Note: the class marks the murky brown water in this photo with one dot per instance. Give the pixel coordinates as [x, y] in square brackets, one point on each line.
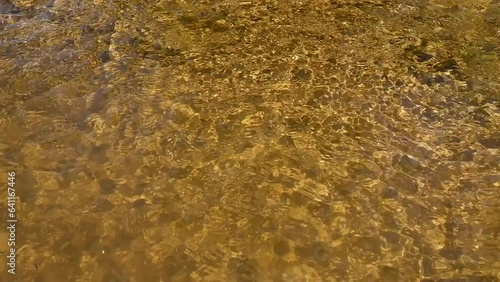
[251, 140]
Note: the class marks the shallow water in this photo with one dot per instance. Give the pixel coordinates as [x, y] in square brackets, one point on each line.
[252, 140]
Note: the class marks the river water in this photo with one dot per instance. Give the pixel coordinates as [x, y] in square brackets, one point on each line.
[251, 140]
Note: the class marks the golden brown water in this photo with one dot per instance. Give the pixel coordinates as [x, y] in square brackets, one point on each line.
[251, 140]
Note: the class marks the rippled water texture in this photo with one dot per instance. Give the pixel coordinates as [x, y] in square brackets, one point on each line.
[252, 140]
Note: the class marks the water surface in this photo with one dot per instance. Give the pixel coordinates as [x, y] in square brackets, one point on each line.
[252, 141]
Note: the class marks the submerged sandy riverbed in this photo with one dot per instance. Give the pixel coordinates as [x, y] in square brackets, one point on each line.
[252, 141]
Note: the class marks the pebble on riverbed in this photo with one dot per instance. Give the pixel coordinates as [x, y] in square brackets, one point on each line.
[105, 56]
